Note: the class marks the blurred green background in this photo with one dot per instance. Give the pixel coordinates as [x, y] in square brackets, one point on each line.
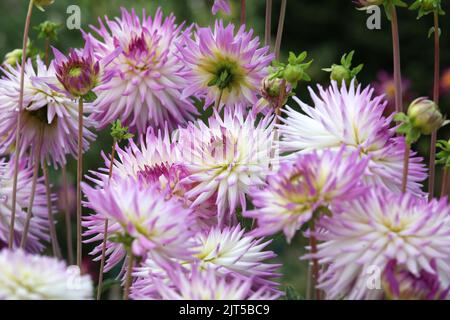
[325, 28]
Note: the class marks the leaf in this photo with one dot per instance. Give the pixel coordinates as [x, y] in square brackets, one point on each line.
[357, 70]
[90, 96]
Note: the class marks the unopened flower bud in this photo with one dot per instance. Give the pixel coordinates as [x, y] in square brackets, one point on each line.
[271, 87]
[340, 73]
[13, 57]
[425, 115]
[293, 73]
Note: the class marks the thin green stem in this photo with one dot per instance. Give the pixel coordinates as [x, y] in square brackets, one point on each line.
[19, 124]
[432, 169]
[79, 178]
[280, 29]
[105, 231]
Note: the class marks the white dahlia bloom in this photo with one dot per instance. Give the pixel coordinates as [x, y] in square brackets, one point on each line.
[353, 118]
[226, 158]
[366, 234]
[33, 277]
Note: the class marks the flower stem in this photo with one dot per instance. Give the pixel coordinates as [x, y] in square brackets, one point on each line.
[67, 217]
[105, 231]
[280, 29]
[432, 161]
[243, 12]
[268, 29]
[219, 100]
[406, 166]
[128, 276]
[444, 188]
[79, 177]
[47, 51]
[19, 124]
[37, 160]
[315, 263]
[51, 222]
[397, 65]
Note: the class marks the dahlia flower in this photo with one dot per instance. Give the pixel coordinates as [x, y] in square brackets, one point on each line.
[226, 158]
[400, 284]
[198, 284]
[300, 187]
[79, 72]
[365, 234]
[224, 66]
[221, 5]
[140, 216]
[385, 85]
[228, 252]
[353, 118]
[45, 108]
[146, 85]
[156, 160]
[32, 277]
[39, 227]
[445, 82]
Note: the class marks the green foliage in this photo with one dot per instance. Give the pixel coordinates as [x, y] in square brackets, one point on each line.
[292, 294]
[425, 7]
[48, 30]
[406, 128]
[119, 132]
[294, 71]
[443, 156]
[344, 71]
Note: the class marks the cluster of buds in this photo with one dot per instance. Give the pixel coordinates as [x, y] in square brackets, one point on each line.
[47, 30]
[344, 71]
[423, 117]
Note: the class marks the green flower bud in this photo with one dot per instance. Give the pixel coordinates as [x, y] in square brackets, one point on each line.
[340, 73]
[13, 57]
[293, 73]
[425, 116]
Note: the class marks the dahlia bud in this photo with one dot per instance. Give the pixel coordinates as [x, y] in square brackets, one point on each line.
[43, 3]
[425, 7]
[13, 57]
[344, 71]
[79, 72]
[425, 116]
[271, 87]
[293, 73]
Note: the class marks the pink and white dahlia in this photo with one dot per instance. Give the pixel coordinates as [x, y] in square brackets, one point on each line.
[139, 217]
[200, 284]
[353, 118]
[224, 66]
[362, 236]
[48, 115]
[145, 89]
[226, 158]
[39, 227]
[32, 277]
[155, 160]
[400, 284]
[309, 182]
[221, 5]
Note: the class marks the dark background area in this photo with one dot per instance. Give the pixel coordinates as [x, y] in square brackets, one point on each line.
[325, 28]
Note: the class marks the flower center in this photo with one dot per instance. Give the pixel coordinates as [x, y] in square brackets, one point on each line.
[75, 71]
[224, 72]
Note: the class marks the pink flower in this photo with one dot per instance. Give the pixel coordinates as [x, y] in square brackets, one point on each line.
[223, 5]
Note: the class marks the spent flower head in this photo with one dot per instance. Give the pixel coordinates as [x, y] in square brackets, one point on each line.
[48, 30]
[294, 71]
[425, 7]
